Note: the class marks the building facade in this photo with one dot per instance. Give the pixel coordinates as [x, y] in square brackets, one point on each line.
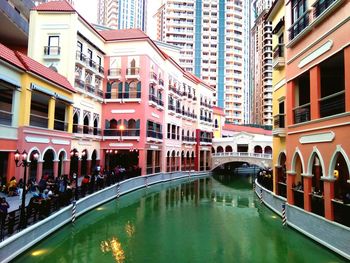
[317, 107]
[276, 16]
[214, 40]
[122, 14]
[261, 63]
[134, 106]
[36, 116]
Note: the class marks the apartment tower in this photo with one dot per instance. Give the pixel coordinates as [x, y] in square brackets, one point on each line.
[213, 36]
[122, 14]
[261, 63]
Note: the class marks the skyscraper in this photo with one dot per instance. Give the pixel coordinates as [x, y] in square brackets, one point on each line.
[214, 40]
[122, 14]
[261, 63]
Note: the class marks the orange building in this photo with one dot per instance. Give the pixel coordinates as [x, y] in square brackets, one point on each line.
[318, 106]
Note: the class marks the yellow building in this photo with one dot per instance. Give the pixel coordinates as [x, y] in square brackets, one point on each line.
[276, 16]
[219, 121]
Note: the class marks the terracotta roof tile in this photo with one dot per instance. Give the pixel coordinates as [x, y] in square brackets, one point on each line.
[59, 6]
[123, 34]
[9, 56]
[241, 128]
[45, 72]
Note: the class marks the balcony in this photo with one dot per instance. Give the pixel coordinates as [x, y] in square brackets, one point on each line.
[125, 133]
[301, 113]
[161, 84]
[124, 96]
[154, 134]
[91, 63]
[5, 118]
[153, 78]
[38, 121]
[321, 5]
[133, 73]
[332, 104]
[279, 125]
[60, 125]
[205, 140]
[114, 73]
[80, 58]
[299, 25]
[52, 52]
[171, 109]
[278, 57]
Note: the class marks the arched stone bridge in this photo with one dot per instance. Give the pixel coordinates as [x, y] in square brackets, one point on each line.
[259, 159]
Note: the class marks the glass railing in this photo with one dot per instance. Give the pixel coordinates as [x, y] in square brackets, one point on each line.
[114, 72]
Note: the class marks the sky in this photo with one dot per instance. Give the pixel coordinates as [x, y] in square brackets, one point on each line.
[88, 9]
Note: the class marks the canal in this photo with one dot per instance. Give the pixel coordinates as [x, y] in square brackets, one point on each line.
[212, 219]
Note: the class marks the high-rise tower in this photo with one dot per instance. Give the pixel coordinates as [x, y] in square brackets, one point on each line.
[122, 14]
[261, 63]
[214, 40]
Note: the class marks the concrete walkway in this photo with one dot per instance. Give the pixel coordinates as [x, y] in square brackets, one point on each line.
[16, 201]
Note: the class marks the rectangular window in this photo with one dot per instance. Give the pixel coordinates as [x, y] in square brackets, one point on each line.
[302, 98]
[53, 47]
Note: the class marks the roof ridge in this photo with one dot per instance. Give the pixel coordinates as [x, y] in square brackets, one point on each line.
[19, 56]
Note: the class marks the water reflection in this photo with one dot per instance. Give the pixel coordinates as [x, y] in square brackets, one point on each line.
[114, 246]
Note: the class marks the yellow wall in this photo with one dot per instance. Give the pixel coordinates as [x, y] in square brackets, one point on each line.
[279, 87]
[25, 100]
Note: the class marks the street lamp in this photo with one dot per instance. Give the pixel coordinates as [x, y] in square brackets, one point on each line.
[121, 128]
[74, 153]
[24, 163]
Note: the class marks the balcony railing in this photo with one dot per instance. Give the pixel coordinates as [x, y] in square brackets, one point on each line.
[321, 5]
[171, 107]
[88, 129]
[155, 99]
[278, 52]
[101, 69]
[298, 26]
[77, 128]
[90, 88]
[161, 82]
[153, 76]
[79, 83]
[52, 50]
[203, 139]
[123, 95]
[279, 121]
[332, 104]
[80, 56]
[5, 118]
[90, 63]
[302, 113]
[132, 71]
[154, 134]
[114, 72]
[60, 125]
[124, 133]
[97, 131]
[38, 121]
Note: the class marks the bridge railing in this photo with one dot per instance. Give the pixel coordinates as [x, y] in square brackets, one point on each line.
[243, 154]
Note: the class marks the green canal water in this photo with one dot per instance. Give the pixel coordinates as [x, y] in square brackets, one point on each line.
[213, 219]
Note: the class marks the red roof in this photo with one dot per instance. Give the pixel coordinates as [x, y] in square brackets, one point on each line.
[218, 111]
[9, 56]
[241, 128]
[123, 34]
[56, 6]
[35, 67]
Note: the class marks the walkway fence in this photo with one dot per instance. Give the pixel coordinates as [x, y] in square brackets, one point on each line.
[44, 220]
[243, 154]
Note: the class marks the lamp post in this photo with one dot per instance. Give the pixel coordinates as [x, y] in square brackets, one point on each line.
[74, 153]
[24, 163]
[121, 128]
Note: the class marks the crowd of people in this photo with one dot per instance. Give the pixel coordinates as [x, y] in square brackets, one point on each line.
[51, 193]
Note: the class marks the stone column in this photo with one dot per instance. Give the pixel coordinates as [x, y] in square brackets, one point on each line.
[307, 180]
[51, 113]
[88, 166]
[290, 103]
[315, 92]
[204, 160]
[55, 168]
[153, 161]
[39, 170]
[328, 184]
[276, 178]
[79, 167]
[142, 161]
[290, 182]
